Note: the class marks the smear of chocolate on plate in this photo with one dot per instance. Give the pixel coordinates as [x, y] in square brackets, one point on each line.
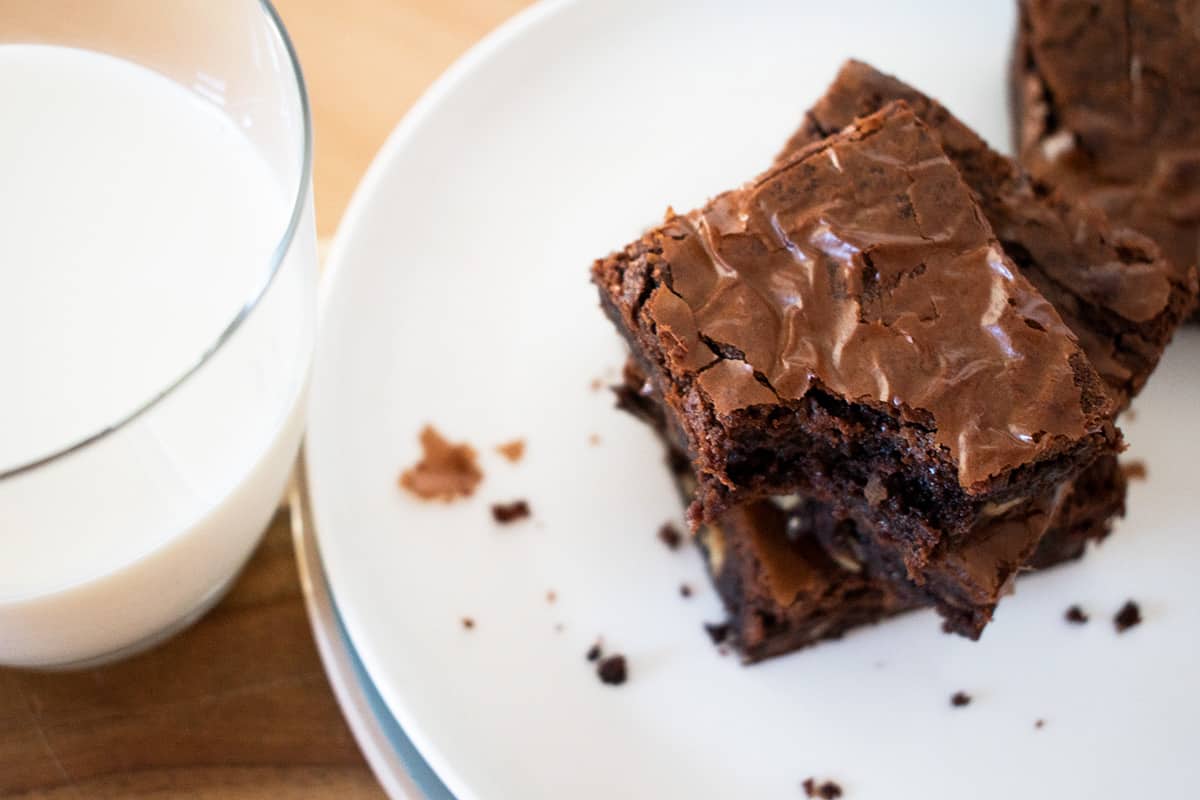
[513, 450]
[445, 472]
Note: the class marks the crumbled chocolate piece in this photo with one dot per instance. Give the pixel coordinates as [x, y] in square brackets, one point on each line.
[504, 513]
[1127, 617]
[1135, 470]
[612, 670]
[1076, 615]
[594, 652]
[468, 623]
[445, 472]
[718, 632]
[513, 450]
[825, 790]
[669, 535]
[960, 699]
[685, 590]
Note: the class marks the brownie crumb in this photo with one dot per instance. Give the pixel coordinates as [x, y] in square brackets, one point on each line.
[594, 652]
[1076, 615]
[718, 632]
[551, 596]
[1127, 617]
[825, 790]
[685, 590]
[960, 699]
[612, 670]
[468, 623]
[505, 513]
[669, 535]
[513, 450]
[445, 472]
[1041, 723]
[1135, 470]
[594, 439]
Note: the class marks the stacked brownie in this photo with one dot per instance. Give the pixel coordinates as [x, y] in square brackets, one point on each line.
[888, 368]
[1105, 95]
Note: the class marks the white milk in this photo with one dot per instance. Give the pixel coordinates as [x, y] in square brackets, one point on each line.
[136, 220]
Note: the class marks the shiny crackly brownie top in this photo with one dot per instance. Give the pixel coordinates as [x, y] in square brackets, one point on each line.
[864, 268]
[1108, 93]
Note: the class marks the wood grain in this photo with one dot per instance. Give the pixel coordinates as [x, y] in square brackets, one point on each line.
[238, 706]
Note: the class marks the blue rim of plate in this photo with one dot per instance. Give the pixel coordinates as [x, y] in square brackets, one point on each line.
[418, 768]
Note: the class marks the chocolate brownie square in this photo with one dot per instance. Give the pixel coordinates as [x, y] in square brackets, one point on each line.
[1105, 99]
[848, 328]
[964, 580]
[1110, 285]
[783, 590]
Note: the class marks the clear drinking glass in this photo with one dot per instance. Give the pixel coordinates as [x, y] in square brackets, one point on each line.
[115, 537]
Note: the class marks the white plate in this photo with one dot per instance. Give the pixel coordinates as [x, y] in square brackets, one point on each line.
[399, 767]
[458, 295]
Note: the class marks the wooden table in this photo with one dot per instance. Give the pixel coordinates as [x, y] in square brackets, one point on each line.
[238, 706]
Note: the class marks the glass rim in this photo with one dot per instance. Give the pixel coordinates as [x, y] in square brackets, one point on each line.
[299, 204]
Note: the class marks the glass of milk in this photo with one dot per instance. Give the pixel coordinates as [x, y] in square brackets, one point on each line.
[157, 312]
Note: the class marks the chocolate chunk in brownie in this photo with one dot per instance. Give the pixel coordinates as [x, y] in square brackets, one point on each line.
[1129, 616]
[445, 472]
[1076, 615]
[612, 670]
[1111, 286]
[505, 513]
[1105, 104]
[858, 260]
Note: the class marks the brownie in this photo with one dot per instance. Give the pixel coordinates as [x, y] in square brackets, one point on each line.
[964, 580]
[848, 328]
[784, 591]
[1106, 102]
[1110, 285]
